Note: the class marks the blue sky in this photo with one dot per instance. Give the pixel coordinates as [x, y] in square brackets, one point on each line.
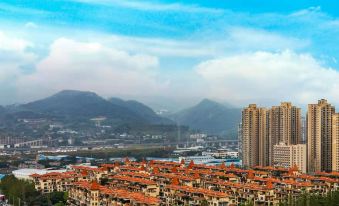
[181, 51]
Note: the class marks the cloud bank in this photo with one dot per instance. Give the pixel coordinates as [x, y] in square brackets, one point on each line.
[91, 66]
[245, 77]
[270, 77]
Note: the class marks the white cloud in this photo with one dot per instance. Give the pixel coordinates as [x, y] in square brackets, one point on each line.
[147, 6]
[270, 77]
[91, 66]
[13, 44]
[232, 40]
[255, 39]
[13, 56]
[307, 12]
[31, 25]
[163, 47]
[120, 68]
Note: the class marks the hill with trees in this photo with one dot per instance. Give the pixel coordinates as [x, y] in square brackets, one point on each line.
[210, 117]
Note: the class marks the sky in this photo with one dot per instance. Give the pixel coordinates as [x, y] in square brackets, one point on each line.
[171, 52]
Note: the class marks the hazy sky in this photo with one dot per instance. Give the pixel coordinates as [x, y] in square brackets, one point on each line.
[239, 52]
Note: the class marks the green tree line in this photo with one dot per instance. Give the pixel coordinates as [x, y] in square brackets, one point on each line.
[308, 199]
[21, 192]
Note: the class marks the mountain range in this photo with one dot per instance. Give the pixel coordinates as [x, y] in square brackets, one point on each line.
[70, 105]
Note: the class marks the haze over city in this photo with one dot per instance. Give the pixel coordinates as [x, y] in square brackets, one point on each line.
[237, 52]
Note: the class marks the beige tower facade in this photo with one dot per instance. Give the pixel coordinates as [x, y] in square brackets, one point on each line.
[284, 126]
[299, 156]
[254, 136]
[264, 142]
[335, 142]
[319, 136]
[290, 155]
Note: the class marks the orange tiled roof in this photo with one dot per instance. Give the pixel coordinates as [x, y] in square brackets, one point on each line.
[93, 169]
[119, 193]
[135, 174]
[131, 168]
[54, 175]
[221, 174]
[206, 192]
[171, 176]
[133, 179]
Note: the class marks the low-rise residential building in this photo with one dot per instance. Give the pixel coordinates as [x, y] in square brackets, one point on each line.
[162, 183]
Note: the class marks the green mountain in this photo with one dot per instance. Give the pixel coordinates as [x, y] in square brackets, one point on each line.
[3, 113]
[210, 117]
[142, 110]
[2, 110]
[75, 109]
[72, 104]
[82, 105]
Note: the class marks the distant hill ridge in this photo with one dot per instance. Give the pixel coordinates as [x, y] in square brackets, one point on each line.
[141, 109]
[83, 104]
[210, 117]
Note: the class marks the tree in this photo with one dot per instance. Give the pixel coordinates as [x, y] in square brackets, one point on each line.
[23, 193]
[204, 203]
[18, 190]
[306, 199]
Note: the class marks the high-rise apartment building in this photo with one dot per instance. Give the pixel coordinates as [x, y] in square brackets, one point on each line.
[303, 130]
[290, 155]
[274, 136]
[263, 128]
[240, 140]
[284, 126]
[335, 142]
[254, 136]
[319, 136]
[264, 141]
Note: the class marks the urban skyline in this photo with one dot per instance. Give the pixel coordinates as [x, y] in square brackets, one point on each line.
[169, 103]
[273, 137]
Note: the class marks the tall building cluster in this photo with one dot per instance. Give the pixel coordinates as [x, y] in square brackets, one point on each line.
[280, 136]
